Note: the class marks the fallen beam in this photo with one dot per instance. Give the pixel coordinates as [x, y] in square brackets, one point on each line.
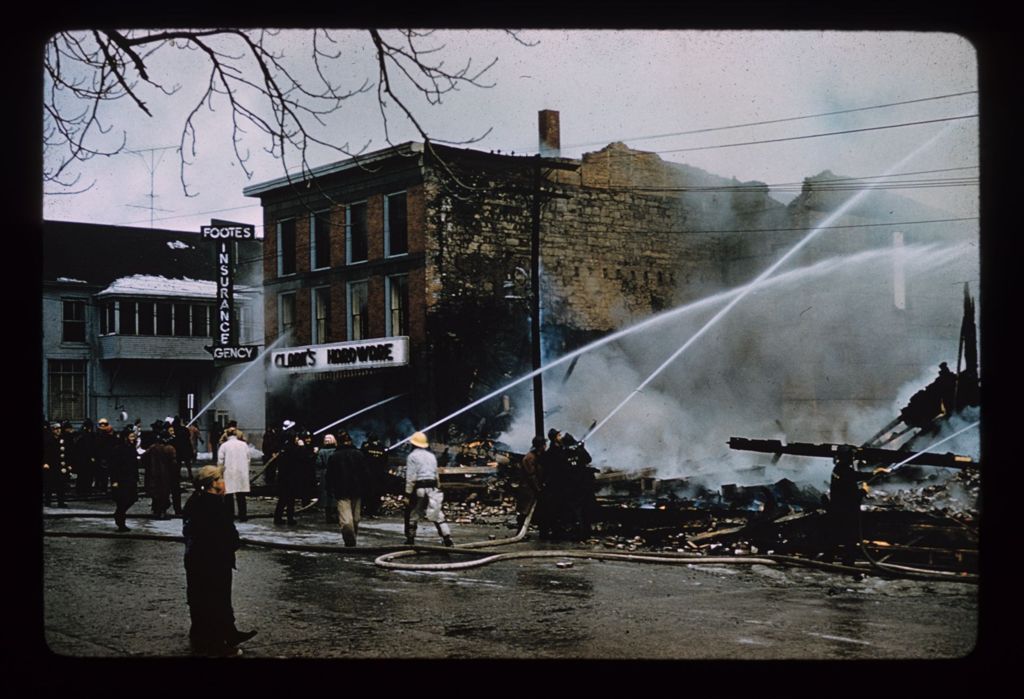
[871, 455]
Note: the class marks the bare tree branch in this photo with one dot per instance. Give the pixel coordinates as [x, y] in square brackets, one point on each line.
[265, 92]
[115, 66]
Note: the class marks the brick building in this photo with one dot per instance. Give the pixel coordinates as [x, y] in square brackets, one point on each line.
[422, 251]
[127, 315]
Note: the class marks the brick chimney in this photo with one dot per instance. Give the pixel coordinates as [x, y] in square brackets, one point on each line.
[550, 138]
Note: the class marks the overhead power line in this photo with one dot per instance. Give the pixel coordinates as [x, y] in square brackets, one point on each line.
[817, 135]
[777, 121]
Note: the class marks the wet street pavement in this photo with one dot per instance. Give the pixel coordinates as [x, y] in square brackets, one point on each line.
[110, 595]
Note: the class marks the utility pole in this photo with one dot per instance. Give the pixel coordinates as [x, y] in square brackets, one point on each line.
[538, 384]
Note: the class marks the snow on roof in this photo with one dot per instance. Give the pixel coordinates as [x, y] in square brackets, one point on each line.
[69, 279]
[149, 285]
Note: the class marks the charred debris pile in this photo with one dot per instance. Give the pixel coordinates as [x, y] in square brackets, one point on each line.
[918, 515]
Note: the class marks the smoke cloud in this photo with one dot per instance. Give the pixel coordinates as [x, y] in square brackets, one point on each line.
[817, 353]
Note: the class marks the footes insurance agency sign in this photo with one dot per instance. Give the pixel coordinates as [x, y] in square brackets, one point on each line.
[226, 348]
[364, 354]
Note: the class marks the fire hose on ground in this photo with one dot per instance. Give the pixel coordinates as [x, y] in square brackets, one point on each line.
[386, 555]
[387, 560]
[389, 552]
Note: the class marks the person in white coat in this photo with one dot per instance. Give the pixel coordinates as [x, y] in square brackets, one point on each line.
[233, 457]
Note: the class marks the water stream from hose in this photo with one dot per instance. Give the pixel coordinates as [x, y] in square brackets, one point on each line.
[745, 290]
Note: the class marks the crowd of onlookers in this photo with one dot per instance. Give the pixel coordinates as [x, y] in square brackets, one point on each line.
[97, 459]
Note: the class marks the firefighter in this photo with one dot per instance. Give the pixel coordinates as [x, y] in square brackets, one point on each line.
[554, 488]
[162, 479]
[330, 444]
[296, 470]
[106, 440]
[423, 491]
[307, 473]
[843, 509]
[346, 482]
[376, 460]
[183, 450]
[945, 388]
[531, 476]
[69, 437]
[580, 502]
[270, 447]
[124, 476]
[84, 458]
[55, 465]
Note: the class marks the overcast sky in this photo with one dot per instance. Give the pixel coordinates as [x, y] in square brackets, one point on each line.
[609, 85]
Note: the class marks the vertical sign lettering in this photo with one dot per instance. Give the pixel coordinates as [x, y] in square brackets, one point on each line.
[225, 294]
[224, 233]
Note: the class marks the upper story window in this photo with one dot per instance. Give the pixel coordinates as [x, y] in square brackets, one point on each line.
[321, 314]
[108, 318]
[182, 319]
[73, 321]
[285, 247]
[320, 240]
[148, 318]
[356, 241]
[201, 320]
[396, 233]
[164, 319]
[285, 312]
[397, 293]
[127, 318]
[358, 307]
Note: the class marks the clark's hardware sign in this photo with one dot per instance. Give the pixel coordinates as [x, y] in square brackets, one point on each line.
[343, 356]
[225, 336]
